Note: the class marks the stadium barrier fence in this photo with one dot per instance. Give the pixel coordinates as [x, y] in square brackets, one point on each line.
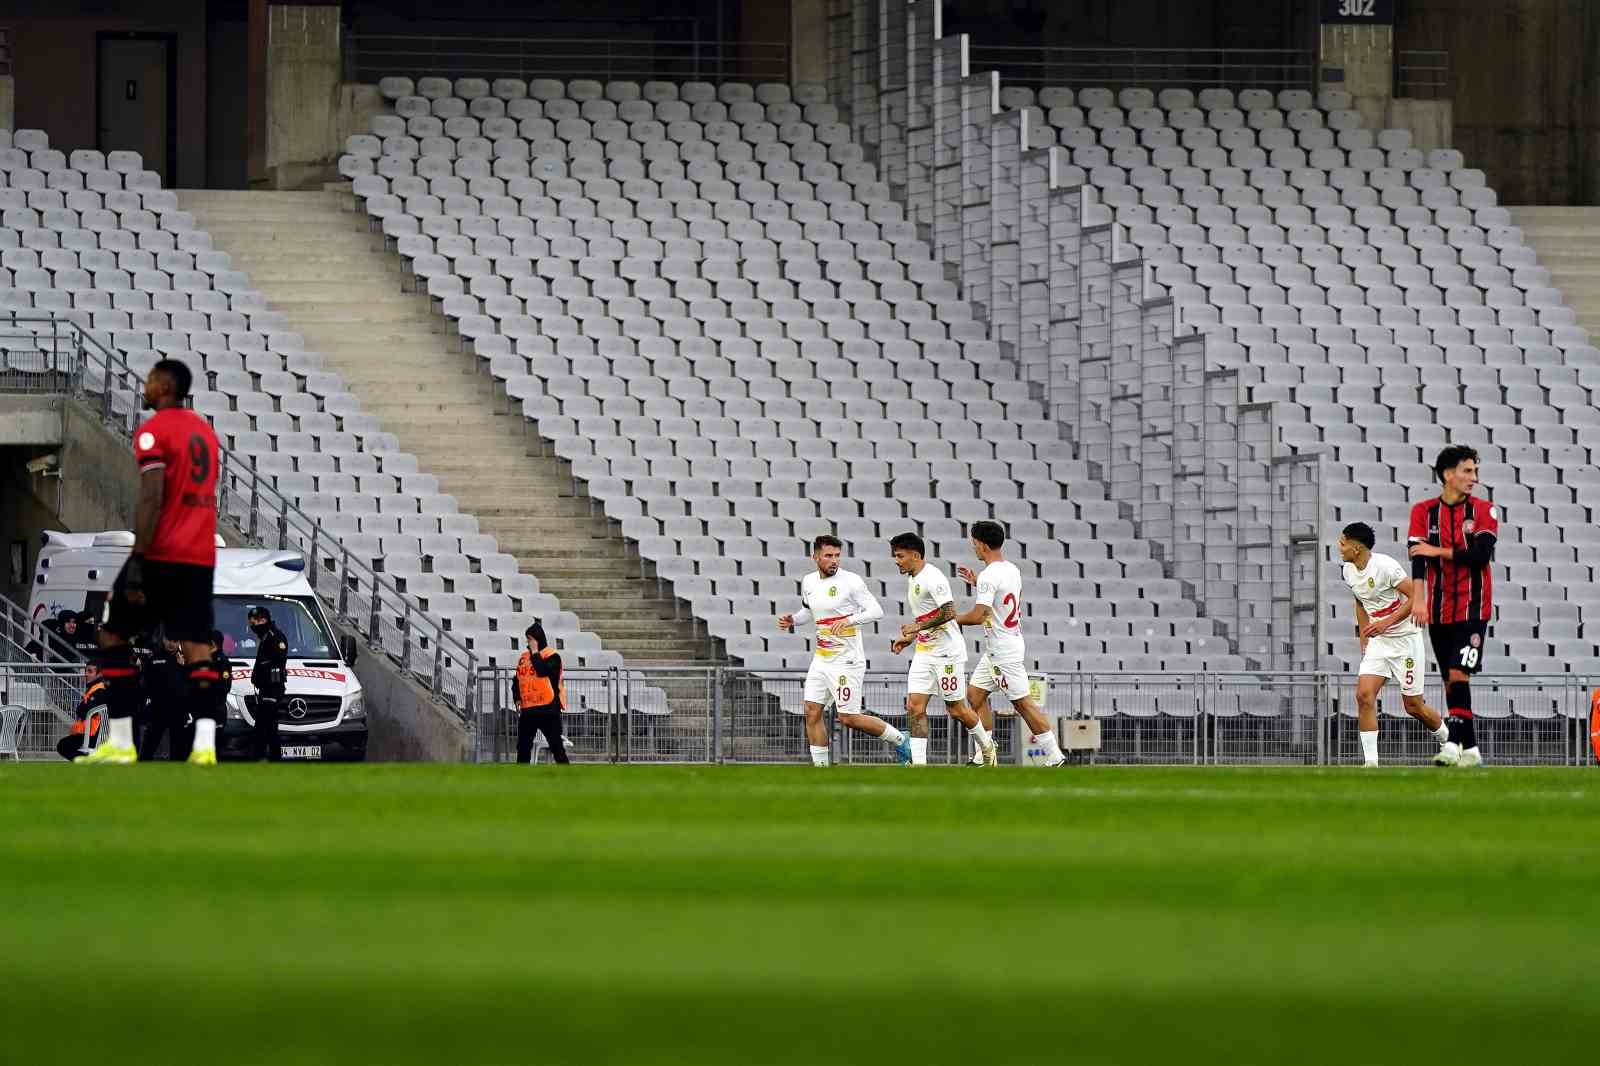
[725, 714]
[50, 355]
[49, 694]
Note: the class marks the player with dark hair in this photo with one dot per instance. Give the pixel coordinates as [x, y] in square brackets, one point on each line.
[166, 581]
[997, 607]
[1391, 643]
[1452, 538]
[939, 663]
[840, 603]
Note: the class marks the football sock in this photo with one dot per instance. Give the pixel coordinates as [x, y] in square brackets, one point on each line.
[891, 735]
[1458, 698]
[205, 735]
[1052, 748]
[919, 751]
[819, 756]
[1369, 747]
[1442, 734]
[204, 685]
[124, 697]
[121, 732]
[981, 735]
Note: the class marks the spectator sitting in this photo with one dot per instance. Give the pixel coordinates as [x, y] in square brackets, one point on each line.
[90, 714]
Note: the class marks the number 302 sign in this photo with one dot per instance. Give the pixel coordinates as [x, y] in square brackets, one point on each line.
[1379, 12]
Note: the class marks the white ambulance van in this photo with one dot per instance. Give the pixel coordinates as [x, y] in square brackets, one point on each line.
[323, 715]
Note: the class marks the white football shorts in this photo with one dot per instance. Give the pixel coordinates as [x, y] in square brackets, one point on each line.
[1009, 679]
[932, 675]
[839, 683]
[1400, 659]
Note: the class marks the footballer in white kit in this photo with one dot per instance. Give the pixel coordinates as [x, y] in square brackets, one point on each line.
[1392, 648]
[939, 663]
[840, 603]
[997, 607]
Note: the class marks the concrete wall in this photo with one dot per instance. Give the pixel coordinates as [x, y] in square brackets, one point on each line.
[56, 61]
[808, 36]
[1363, 58]
[227, 131]
[1525, 91]
[8, 102]
[405, 724]
[95, 489]
[303, 95]
[1431, 122]
[29, 428]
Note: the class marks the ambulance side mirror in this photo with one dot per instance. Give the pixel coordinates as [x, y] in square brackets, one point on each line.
[348, 649]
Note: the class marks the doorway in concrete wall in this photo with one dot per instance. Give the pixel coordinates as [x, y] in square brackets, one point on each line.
[138, 100]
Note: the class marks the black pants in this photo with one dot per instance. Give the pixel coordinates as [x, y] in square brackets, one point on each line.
[70, 746]
[171, 722]
[547, 722]
[264, 738]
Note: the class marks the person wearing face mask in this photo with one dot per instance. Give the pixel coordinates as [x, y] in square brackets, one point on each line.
[541, 696]
[269, 678]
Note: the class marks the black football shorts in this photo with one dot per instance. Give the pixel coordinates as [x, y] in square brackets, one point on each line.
[177, 599]
[1459, 645]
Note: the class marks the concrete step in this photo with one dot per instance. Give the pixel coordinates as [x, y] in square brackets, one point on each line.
[323, 266]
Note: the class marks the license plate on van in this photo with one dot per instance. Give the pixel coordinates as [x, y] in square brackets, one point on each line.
[302, 751]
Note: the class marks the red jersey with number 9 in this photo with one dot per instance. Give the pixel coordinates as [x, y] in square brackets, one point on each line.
[182, 446]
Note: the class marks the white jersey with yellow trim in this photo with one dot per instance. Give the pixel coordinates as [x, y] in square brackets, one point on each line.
[828, 599]
[1377, 588]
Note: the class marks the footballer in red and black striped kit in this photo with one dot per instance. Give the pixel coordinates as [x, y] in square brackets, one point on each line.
[167, 580]
[1452, 539]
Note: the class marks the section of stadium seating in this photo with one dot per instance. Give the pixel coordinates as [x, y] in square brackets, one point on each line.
[709, 303]
[1385, 301]
[94, 238]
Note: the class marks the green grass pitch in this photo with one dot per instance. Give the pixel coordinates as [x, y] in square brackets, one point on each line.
[460, 915]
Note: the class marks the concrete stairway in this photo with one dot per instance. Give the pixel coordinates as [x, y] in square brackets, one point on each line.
[319, 264]
[1567, 240]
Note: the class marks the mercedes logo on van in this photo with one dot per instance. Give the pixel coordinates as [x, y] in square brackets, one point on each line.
[297, 708]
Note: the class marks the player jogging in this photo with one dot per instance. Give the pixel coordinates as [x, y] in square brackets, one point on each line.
[840, 604]
[939, 663]
[166, 581]
[1452, 543]
[1391, 643]
[997, 607]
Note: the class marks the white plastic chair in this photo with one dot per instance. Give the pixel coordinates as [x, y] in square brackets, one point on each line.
[12, 719]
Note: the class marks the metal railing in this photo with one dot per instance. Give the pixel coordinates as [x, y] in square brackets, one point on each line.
[1044, 66]
[17, 631]
[370, 56]
[729, 715]
[50, 355]
[1421, 74]
[49, 695]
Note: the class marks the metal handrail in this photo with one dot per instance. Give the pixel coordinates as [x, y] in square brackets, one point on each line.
[1049, 65]
[1422, 73]
[17, 628]
[370, 56]
[271, 518]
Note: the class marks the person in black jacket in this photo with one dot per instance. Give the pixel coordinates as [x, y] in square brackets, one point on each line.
[165, 714]
[541, 696]
[269, 677]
